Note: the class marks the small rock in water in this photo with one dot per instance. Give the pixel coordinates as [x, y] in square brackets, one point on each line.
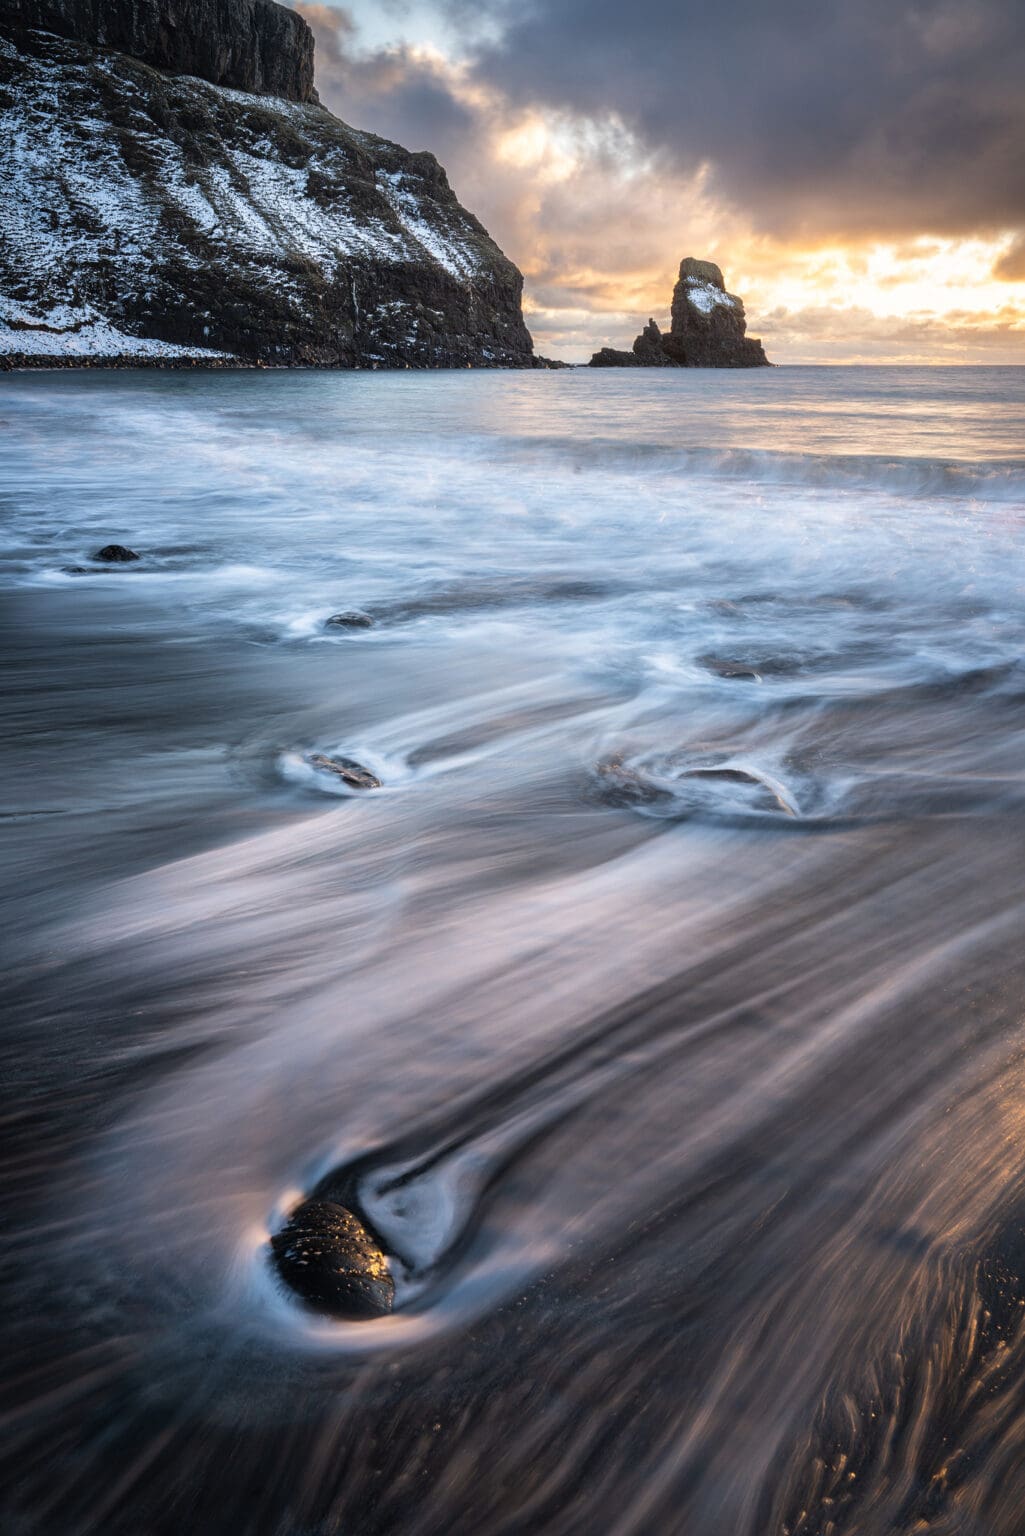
[350, 620]
[115, 554]
[769, 794]
[723, 667]
[350, 772]
[330, 1259]
[623, 785]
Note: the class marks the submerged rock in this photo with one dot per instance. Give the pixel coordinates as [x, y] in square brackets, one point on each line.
[723, 666]
[352, 619]
[620, 783]
[766, 793]
[682, 789]
[708, 329]
[115, 554]
[346, 769]
[330, 1259]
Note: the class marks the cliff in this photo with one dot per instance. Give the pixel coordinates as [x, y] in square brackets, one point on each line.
[151, 215]
[250, 45]
[708, 329]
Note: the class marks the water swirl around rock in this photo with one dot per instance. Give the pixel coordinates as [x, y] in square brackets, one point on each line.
[650, 1039]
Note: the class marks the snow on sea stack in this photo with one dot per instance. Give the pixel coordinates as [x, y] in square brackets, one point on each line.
[708, 329]
[175, 195]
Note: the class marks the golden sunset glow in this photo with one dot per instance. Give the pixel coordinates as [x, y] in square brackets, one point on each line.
[597, 213]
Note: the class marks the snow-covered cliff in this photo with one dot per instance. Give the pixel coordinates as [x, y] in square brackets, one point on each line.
[158, 217]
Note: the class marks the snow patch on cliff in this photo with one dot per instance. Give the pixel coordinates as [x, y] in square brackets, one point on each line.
[67, 331]
[706, 296]
[449, 252]
[64, 172]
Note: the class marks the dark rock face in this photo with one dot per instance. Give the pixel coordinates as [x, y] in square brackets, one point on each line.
[647, 352]
[115, 554]
[708, 329]
[649, 348]
[159, 219]
[251, 45]
[331, 1261]
[344, 768]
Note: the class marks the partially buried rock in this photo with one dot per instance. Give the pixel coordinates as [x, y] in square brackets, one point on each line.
[622, 784]
[346, 769]
[330, 1259]
[349, 620]
[115, 554]
[723, 666]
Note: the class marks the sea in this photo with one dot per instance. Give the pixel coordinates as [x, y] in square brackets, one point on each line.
[664, 1008]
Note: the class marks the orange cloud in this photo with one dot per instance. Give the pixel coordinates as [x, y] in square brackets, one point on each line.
[597, 220]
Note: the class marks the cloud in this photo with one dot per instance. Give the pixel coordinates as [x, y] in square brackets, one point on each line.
[820, 118]
[402, 93]
[598, 154]
[855, 334]
[1010, 268]
[594, 218]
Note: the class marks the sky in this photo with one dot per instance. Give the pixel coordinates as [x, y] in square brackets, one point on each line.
[856, 167]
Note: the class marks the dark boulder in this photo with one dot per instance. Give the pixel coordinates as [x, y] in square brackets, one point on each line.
[115, 554]
[352, 619]
[620, 783]
[708, 329]
[344, 768]
[330, 1259]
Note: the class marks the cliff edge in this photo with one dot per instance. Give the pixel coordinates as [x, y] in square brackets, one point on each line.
[249, 45]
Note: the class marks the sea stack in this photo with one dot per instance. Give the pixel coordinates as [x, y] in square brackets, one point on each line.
[708, 329]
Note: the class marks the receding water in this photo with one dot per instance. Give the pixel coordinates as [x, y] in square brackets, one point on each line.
[664, 1008]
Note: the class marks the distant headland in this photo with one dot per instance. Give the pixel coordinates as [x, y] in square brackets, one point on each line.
[175, 196]
[707, 331]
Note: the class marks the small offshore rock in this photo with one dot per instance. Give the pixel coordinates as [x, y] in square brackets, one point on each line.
[347, 769]
[330, 1259]
[115, 554]
[353, 619]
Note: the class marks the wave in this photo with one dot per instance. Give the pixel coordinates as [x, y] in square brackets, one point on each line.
[1000, 480]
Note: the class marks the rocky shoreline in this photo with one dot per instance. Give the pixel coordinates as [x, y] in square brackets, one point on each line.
[21, 362]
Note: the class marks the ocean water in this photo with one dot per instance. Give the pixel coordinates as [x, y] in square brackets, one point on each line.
[664, 1007]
